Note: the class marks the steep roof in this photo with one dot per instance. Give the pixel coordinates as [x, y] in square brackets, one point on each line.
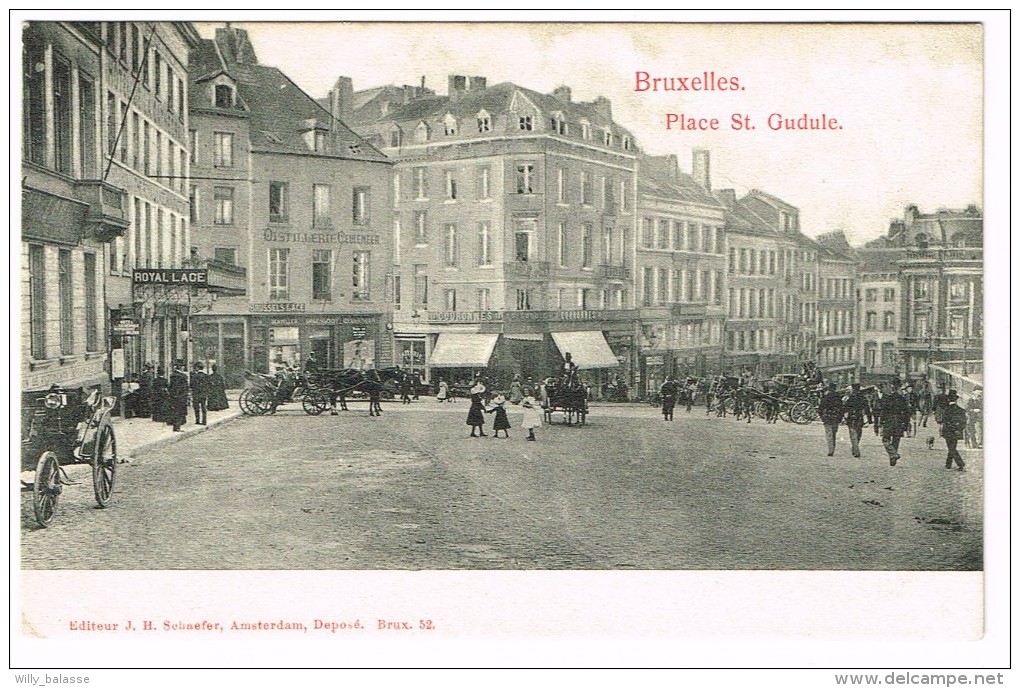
[659, 177]
[879, 260]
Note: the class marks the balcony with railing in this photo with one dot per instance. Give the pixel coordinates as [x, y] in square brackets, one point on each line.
[520, 269]
[616, 272]
[107, 215]
[944, 255]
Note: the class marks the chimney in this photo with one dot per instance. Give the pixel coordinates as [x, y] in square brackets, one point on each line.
[456, 85]
[728, 197]
[603, 107]
[236, 46]
[701, 169]
[562, 93]
[476, 83]
[341, 100]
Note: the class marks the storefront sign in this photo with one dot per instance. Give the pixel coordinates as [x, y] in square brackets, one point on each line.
[276, 307]
[359, 331]
[321, 237]
[197, 278]
[126, 328]
[66, 375]
[655, 360]
[530, 316]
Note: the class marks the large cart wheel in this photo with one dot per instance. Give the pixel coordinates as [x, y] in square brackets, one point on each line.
[315, 402]
[242, 401]
[260, 401]
[104, 466]
[760, 409]
[46, 489]
[799, 413]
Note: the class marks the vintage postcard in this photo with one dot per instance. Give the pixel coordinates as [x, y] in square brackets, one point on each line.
[590, 337]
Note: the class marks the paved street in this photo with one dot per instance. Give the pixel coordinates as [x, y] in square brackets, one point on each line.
[411, 490]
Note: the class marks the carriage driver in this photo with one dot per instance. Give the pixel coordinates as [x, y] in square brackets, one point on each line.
[569, 370]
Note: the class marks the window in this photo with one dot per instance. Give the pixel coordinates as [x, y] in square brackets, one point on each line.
[421, 285]
[732, 260]
[585, 130]
[320, 142]
[586, 245]
[34, 86]
[180, 98]
[584, 299]
[717, 293]
[421, 186]
[626, 143]
[522, 246]
[66, 302]
[525, 123]
[170, 102]
[396, 137]
[587, 191]
[450, 183]
[871, 295]
[421, 234]
[561, 191]
[147, 149]
[223, 149]
[320, 205]
[524, 299]
[37, 299]
[888, 295]
[647, 287]
[322, 274]
[87, 116]
[889, 321]
[483, 299]
[360, 276]
[224, 200]
[482, 183]
[525, 178]
[159, 238]
[920, 289]
[561, 247]
[677, 281]
[450, 299]
[607, 246]
[663, 286]
[359, 205]
[158, 72]
[484, 122]
[624, 196]
[278, 201]
[135, 48]
[182, 168]
[450, 246]
[225, 255]
[559, 125]
[607, 137]
[450, 125]
[662, 237]
[647, 232]
[396, 292]
[279, 285]
[224, 96]
[484, 244]
[421, 133]
[91, 304]
[62, 115]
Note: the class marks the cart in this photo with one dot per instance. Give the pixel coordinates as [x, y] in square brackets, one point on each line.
[61, 426]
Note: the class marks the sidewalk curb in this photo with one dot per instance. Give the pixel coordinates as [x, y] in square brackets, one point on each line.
[178, 436]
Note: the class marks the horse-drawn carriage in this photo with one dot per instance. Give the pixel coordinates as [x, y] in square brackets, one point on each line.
[570, 399]
[318, 390]
[62, 426]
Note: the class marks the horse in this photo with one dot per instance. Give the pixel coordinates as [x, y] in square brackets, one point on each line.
[372, 382]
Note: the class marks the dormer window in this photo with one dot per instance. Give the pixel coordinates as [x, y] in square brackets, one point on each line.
[627, 143]
[396, 137]
[484, 122]
[607, 137]
[525, 123]
[421, 133]
[224, 96]
[559, 125]
[320, 142]
[450, 125]
[585, 130]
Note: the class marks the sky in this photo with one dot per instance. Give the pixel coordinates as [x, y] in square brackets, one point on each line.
[908, 98]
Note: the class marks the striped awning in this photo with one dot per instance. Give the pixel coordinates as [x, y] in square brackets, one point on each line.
[462, 350]
[587, 349]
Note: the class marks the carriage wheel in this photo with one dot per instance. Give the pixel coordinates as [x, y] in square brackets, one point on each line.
[242, 402]
[810, 413]
[46, 489]
[760, 409]
[260, 401]
[784, 414]
[314, 403]
[104, 466]
[798, 414]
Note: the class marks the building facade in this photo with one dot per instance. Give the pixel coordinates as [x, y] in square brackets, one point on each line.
[513, 215]
[298, 203]
[837, 309]
[879, 293]
[680, 275]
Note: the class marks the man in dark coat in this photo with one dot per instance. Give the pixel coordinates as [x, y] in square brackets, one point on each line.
[830, 410]
[667, 393]
[939, 404]
[855, 406]
[144, 406]
[178, 396]
[954, 423]
[217, 390]
[894, 413]
[160, 400]
[199, 393]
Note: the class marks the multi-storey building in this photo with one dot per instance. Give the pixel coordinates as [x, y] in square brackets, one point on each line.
[942, 293]
[104, 159]
[513, 213]
[878, 298]
[836, 343]
[770, 281]
[681, 262]
[287, 192]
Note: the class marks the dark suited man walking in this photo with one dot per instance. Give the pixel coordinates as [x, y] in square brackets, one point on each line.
[199, 393]
[178, 394]
[954, 423]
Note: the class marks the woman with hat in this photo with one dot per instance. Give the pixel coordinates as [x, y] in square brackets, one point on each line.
[532, 417]
[476, 417]
[501, 422]
[516, 391]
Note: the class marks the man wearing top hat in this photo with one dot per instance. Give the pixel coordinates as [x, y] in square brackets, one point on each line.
[178, 393]
[199, 392]
[855, 406]
[830, 410]
[954, 423]
[894, 415]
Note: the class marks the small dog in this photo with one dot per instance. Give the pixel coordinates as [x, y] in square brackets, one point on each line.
[931, 442]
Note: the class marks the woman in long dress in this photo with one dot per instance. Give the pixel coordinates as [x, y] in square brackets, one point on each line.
[444, 391]
[516, 393]
[532, 417]
[217, 390]
[500, 421]
[160, 396]
[476, 414]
